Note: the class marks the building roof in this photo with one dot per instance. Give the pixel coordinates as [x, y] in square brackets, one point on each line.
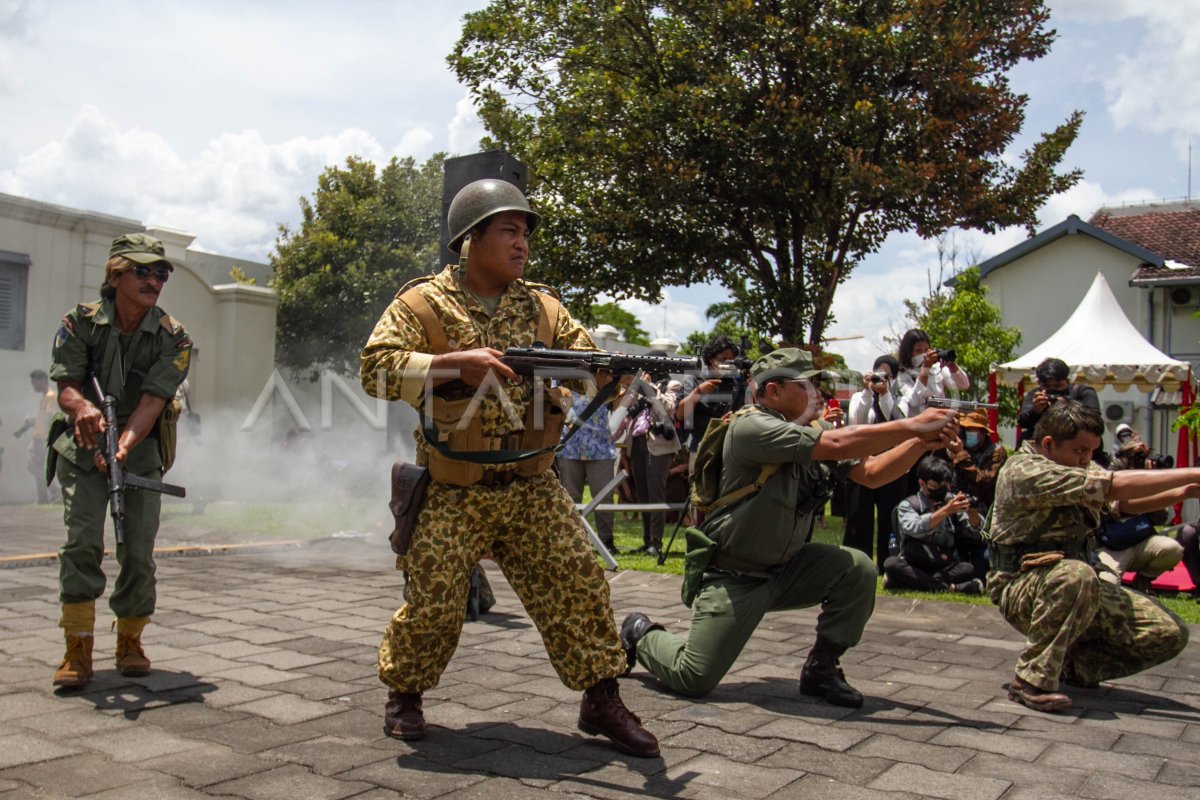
[1071, 226]
[1171, 230]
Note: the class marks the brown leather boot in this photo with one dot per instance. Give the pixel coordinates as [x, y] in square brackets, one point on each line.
[76, 668]
[601, 713]
[131, 659]
[402, 716]
[1030, 696]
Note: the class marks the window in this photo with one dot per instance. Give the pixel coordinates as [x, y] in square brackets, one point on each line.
[14, 280]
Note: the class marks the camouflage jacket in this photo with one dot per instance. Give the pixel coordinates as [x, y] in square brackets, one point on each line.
[395, 362]
[1043, 506]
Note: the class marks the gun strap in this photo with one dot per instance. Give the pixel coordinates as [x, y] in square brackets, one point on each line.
[492, 457]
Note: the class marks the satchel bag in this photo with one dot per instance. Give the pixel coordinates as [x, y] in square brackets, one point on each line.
[409, 484]
[1121, 534]
[925, 556]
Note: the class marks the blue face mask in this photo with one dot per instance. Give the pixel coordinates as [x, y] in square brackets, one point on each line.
[972, 439]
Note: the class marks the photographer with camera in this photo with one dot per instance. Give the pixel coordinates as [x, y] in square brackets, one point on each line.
[1052, 387]
[648, 429]
[1129, 542]
[710, 395]
[869, 510]
[936, 529]
[925, 372]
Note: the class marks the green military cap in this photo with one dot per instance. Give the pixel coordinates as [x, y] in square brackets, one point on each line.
[786, 362]
[140, 248]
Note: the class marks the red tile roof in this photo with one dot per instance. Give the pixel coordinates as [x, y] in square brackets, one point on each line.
[1172, 231]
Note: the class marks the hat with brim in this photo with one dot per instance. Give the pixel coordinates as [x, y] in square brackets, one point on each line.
[786, 363]
[977, 419]
[140, 248]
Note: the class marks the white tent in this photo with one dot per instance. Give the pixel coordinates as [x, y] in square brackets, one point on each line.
[1103, 348]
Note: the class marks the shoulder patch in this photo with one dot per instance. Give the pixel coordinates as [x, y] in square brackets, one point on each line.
[413, 284]
[89, 310]
[64, 333]
[170, 324]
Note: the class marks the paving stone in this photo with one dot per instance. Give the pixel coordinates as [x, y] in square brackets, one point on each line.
[736, 747]
[819, 787]
[1132, 766]
[138, 743]
[893, 748]
[208, 764]
[902, 777]
[258, 675]
[254, 734]
[28, 704]
[160, 788]
[286, 709]
[1022, 773]
[413, 777]
[1024, 749]
[288, 783]
[827, 737]
[23, 748]
[1107, 786]
[710, 775]
[77, 775]
[328, 755]
[843, 768]
[285, 659]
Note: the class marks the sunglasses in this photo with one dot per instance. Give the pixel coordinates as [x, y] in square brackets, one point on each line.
[144, 271]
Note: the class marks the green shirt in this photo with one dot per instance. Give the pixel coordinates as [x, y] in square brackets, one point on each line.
[769, 528]
[153, 359]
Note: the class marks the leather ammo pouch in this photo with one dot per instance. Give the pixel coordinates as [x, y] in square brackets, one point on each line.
[409, 484]
[168, 432]
[461, 433]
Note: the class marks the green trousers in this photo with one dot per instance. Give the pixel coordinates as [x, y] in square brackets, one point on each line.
[728, 609]
[1106, 631]
[85, 509]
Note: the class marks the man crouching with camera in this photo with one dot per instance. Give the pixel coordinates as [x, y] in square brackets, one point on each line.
[762, 560]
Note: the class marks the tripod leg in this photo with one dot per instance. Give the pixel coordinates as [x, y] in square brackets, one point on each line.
[662, 556]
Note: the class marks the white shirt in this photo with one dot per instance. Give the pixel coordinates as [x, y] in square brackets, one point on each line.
[862, 412]
[914, 395]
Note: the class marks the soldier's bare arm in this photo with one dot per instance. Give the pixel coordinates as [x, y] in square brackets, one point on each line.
[1132, 484]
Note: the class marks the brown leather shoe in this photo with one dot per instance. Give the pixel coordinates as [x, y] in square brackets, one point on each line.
[131, 658]
[76, 668]
[402, 716]
[601, 713]
[1030, 696]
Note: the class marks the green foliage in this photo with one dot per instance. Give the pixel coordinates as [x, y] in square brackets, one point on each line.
[766, 146]
[732, 321]
[240, 277]
[624, 321]
[364, 233]
[966, 321]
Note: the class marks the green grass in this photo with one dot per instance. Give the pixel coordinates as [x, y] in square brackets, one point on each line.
[311, 520]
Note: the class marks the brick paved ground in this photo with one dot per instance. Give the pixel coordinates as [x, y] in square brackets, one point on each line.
[264, 687]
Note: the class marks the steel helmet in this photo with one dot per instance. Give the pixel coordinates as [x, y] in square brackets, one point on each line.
[479, 200]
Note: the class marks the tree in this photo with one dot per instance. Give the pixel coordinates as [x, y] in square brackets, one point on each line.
[624, 321]
[365, 232]
[966, 321]
[765, 145]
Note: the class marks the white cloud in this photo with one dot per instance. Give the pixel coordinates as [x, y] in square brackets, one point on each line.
[673, 319]
[1094, 9]
[14, 27]
[232, 194]
[465, 129]
[1153, 86]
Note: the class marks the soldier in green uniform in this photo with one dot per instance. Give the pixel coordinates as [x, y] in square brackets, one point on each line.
[1049, 497]
[438, 347]
[764, 560]
[140, 356]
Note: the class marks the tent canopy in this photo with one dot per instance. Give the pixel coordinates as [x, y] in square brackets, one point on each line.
[1102, 347]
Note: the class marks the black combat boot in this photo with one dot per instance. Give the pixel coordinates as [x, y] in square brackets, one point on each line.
[822, 677]
[601, 713]
[635, 626]
[402, 716]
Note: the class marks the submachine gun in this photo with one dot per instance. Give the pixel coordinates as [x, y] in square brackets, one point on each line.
[118, 479]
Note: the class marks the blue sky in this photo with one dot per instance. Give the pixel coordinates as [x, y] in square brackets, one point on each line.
[215, 117]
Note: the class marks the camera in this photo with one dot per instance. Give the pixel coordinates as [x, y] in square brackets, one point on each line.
[662, 430]
[1161, 461]
[948, 356]
[879, 377]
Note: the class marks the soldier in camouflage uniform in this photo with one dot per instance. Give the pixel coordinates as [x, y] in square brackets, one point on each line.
[1049, 497]
[140, 356]
[452, 328]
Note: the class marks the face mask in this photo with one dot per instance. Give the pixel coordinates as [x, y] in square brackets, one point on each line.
[972, 439]
[937, 495]
[918, 360]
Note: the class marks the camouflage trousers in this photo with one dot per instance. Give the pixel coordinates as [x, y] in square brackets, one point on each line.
[1104, 631]
[533, 532]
